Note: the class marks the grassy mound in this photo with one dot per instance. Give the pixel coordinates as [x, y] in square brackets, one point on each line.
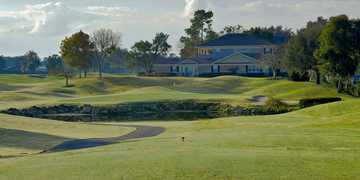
[320, 142]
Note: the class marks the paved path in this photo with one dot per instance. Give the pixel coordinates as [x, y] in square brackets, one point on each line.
[140, 132]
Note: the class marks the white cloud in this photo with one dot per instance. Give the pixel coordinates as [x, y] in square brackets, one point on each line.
[252, 6]
[192, 5]
[55, 18]
[42, 26]
[33, 17]
[117, 11]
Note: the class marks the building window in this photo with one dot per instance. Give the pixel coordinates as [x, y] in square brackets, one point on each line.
[218, 68]
[177, 69]
[171, 69]
[212, 69]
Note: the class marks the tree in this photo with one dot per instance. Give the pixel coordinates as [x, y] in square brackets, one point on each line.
[106, 41]
[274, 34]
[299, 53]
[295, 57]
[30, 62]
[236, 29]
[199, 32]
[140, 55]
[160, 46]
[273, 61]
[78, 51]
[2, 63]
[118, 58]
[338, 50]
[54, 64]
[68, 73]
[144, 53]
[356, 40]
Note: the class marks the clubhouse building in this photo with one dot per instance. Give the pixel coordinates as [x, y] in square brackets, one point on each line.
[229, 54]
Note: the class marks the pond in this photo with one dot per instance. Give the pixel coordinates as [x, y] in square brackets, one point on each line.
[140, 111]
[136, 116]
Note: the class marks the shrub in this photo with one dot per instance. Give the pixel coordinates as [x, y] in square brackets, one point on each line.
[304, 103]
[354, 90]
[296, 76]
[275, 106]
[210, 75]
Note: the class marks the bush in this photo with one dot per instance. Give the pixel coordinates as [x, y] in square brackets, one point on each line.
[300, 77]
[304, 103]
[209, 75]
[276, 106]
[354, 90]
[157, 74]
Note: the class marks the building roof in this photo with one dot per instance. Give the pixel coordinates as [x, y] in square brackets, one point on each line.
[224, 58]
[235, 58]
[167, 60]
[236, 40]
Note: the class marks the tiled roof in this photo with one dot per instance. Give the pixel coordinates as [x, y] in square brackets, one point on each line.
[224, 57]
[167, 60]
[234, 58]
[236, 40]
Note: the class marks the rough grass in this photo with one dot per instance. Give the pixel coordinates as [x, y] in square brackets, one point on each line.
[320, 142]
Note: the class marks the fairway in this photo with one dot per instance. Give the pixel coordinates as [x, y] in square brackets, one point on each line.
[321, 142]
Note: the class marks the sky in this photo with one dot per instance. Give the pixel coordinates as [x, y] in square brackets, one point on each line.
[40, 25]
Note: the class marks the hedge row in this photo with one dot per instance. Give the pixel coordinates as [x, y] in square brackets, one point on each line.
[304, 103]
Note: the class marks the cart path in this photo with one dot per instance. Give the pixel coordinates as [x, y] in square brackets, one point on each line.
[139, 132]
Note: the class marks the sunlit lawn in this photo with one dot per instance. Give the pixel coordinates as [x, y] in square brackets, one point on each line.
[321, 142]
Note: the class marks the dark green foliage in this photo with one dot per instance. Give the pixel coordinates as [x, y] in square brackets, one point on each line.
[160, 110]
[297, 76]
[299, 52]
[236, 29]
[199, 32]
[2, 63]
[140, 56]
[354, 90]
[78, 51]
[30, 62]
[144, 53]
[54, 64]
[233, 74]
[274, 34]
[339, 51]
[304, 103]
[11, 64]
[276, 106]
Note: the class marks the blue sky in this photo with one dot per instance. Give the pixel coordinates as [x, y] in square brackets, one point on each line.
[41, 25]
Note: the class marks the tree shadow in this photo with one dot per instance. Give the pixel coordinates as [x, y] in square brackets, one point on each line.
[11, 138]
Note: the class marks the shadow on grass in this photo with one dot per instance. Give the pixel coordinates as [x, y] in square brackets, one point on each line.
[10, 138]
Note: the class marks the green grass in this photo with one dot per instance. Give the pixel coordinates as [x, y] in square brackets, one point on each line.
[321, 142]
[20, 135]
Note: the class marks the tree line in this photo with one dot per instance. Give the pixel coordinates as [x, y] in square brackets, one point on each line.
[201, 30]
[326, 51]
[27, 63]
